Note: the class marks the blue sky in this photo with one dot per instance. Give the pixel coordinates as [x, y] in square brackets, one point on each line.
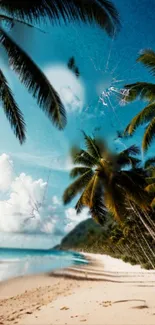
[45, 155]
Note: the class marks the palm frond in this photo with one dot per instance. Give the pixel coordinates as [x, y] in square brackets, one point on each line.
[11, 109]
[135, 162]
[91, 146]
[124, 161]
[150, 188]
[150, 180]
[84, 199]
[102, 12]
[147, 57]
[153, 204]
[132, 150]
[144, 90]
[12, 21]
[149, 135]
[80, 204]
[35, 81]
[124, 158]
[78, 171]
[93, 198]
[133, 184]
[150, 171]
[77, 186]
[98, 209]
[149, 162]
[83, 158]
[144, 116]
[115, 201]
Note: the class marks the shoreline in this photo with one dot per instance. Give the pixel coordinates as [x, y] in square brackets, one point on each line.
[105, 291]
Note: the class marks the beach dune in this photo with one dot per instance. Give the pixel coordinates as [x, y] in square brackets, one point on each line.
[107, 291]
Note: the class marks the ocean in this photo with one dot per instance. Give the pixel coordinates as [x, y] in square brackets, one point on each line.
[18, 262]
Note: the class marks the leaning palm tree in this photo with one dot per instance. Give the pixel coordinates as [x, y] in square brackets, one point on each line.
[105, 180]
[149, 166]
[145, 91]
[26, 12]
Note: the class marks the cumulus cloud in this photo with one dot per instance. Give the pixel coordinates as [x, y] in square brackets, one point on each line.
[24, 210]
[72, 218]
[68, 86]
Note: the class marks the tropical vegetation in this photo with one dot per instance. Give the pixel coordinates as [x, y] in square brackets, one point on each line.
[130, 242]
[119, 192]
[145, 91]
[107, 181]
[27, 12]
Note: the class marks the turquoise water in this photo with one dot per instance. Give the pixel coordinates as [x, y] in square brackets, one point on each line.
[18, 262]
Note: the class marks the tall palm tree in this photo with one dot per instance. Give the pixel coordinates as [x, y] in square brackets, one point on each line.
[149, 166]
[145, 91]
[103, 181]
[102, 12]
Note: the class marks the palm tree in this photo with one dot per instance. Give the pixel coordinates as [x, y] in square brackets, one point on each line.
[149, 166]
[103, 181]
[102, 12]
[145, 91]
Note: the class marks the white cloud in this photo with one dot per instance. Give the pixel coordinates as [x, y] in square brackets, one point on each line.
[24, 211]
[68, 86]
[6, 172]
[72, 218]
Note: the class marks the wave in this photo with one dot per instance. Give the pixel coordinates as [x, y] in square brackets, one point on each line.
[9, 260]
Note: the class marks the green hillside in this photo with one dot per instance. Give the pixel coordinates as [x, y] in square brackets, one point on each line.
[110, 239]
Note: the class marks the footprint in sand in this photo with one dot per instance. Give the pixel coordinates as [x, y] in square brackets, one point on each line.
[106, 303]
[140, 307]
[64, 308]
[144, 306]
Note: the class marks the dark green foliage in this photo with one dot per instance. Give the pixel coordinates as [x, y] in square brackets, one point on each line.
[27, 12]
[35, 81]
[103, 182]
[102, 12]
[144, 91]
[11, 109]
[111, 239]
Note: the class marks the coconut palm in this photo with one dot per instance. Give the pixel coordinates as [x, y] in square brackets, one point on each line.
[105, 180]
[145, 91]
[149, 166]
[102, 12]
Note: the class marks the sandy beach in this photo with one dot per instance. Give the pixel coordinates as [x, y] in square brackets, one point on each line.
[107, 291]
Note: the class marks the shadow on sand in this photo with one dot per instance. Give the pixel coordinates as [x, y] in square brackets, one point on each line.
[87, 273]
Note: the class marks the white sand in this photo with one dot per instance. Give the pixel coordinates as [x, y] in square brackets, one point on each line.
[108, 291]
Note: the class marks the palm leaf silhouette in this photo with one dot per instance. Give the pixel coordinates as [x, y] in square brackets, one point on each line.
[146, 91]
